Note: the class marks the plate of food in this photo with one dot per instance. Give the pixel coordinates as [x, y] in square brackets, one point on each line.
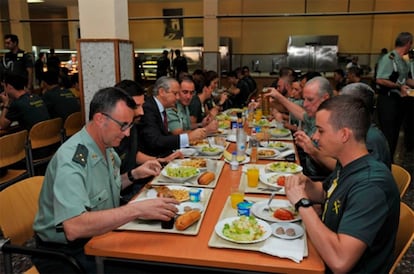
[283, 167]
[243, 229]
[232, 111]
[232, 138]
[224, 124]
[264, 153]
[280, 211]
[180, 193]
[188, 206]
[199, 163]
[287, 231]
[276, 180]
[210, 150]
[188, 152]
[180, 174]
[280, 146]
[261, 123]
[279, 132]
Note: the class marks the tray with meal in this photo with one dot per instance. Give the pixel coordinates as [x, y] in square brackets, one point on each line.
[211, 149]
[255, 233]
[190, 172]
[190, 210]
[270, 180]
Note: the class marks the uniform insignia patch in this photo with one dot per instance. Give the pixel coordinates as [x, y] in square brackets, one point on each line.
[81, 155]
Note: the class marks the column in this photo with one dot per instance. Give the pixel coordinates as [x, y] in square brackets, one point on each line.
[211, 55]
[105, 53]
[73, 13]
[19, 10]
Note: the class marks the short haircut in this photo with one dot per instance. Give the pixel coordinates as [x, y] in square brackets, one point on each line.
[340, 72]
[13, 37]
[15, 80]
[106, 99]
[187, 78]
[131, 87]
[348, 112]
[403, 39]
[51, 77]
[164, 82]
[324, 86]
[361, 91]
[355, 71]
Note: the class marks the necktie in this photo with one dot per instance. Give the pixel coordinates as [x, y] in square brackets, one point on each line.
[164, 115]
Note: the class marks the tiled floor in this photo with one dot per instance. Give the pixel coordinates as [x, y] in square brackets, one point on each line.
[403, 158]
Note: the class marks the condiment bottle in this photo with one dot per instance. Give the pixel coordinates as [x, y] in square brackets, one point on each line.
[253, 146]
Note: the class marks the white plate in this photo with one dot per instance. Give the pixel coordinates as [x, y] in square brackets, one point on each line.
[247, 160]
[283, 167]
[232, 138]
[261, 211]
[275, 153]
[216, 150]
[193, 205]
[299, 231]
[188, 152]
[280, 146]
[270, 179]
[279, 132]
[178, 179]
[220, 225]
[152, 193]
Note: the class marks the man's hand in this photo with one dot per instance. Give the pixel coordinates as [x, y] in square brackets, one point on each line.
[147, 169]
[155, 209]
[4, 98]
[305, 142]
[295, 188]
[172, 156]
[212, 127]
[197, 134]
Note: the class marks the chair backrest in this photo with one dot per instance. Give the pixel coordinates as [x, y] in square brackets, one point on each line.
[402, 177]
[72, 124]
[45, 133]
[13, 148]
[405, 234]
[18, 207]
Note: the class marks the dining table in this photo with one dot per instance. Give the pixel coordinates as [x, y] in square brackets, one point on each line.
[181, 251]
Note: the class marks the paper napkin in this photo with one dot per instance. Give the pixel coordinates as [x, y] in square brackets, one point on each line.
[291, 249]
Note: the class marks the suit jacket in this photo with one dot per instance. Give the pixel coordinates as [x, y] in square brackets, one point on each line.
[153, 139]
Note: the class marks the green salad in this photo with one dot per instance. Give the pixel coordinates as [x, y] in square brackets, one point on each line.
[277, 145]
[243, 229]
[210, 149]
[181, 172]
[284, 167]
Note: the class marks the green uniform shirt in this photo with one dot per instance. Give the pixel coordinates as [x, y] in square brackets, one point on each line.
[363, 202]
[28, 110]
[392, 67]
[377, 145]
[61, 102]
[78, 179]
[178, 117]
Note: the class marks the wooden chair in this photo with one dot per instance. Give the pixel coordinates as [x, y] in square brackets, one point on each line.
[405, 234]
[12, 152]
[18, 208]
[402, 177]
[45, 135]
[72, 124]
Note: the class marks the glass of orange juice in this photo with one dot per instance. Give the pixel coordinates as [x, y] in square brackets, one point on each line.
[252, 177]
[236, 195]
[258, 114]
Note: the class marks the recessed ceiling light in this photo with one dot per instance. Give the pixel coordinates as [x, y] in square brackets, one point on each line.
[35, 1]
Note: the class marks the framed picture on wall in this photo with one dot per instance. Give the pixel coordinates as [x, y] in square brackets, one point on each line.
[173, 27]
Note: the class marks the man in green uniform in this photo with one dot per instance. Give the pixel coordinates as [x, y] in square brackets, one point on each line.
[360, 200]
[60, 102]
[18, 105]
[80, 194]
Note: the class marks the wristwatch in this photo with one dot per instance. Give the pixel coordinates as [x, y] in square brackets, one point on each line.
[130, 177]
[303, 202]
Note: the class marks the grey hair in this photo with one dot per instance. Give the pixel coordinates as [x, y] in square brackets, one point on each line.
[362, 91]
[164, 82]
[403, 39]
[324, 86]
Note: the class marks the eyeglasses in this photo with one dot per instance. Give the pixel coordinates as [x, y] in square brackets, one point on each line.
[124, 125]
[185, 92]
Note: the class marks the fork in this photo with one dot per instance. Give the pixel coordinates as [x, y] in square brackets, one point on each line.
[272, 195]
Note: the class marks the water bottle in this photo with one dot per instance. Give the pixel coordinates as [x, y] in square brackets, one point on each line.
[234, 164]
[253, 146]
[241, 140]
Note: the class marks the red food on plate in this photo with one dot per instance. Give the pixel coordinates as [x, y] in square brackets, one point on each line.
[281, 180]
[283, 214]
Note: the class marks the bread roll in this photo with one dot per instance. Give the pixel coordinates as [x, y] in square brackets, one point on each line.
[187, 219]
[206, 178]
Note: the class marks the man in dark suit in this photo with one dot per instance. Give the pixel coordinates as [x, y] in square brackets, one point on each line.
[154, 138]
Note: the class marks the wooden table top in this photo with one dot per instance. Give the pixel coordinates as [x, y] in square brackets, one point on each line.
[194, 250]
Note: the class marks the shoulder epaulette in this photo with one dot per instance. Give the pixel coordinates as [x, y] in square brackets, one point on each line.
[391, 56]
[81, 155]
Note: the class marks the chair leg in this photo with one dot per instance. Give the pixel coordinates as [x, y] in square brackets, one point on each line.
[7, 258]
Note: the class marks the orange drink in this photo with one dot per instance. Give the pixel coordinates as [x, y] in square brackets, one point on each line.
[252, 177]
[258, 115]
[235, 198]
